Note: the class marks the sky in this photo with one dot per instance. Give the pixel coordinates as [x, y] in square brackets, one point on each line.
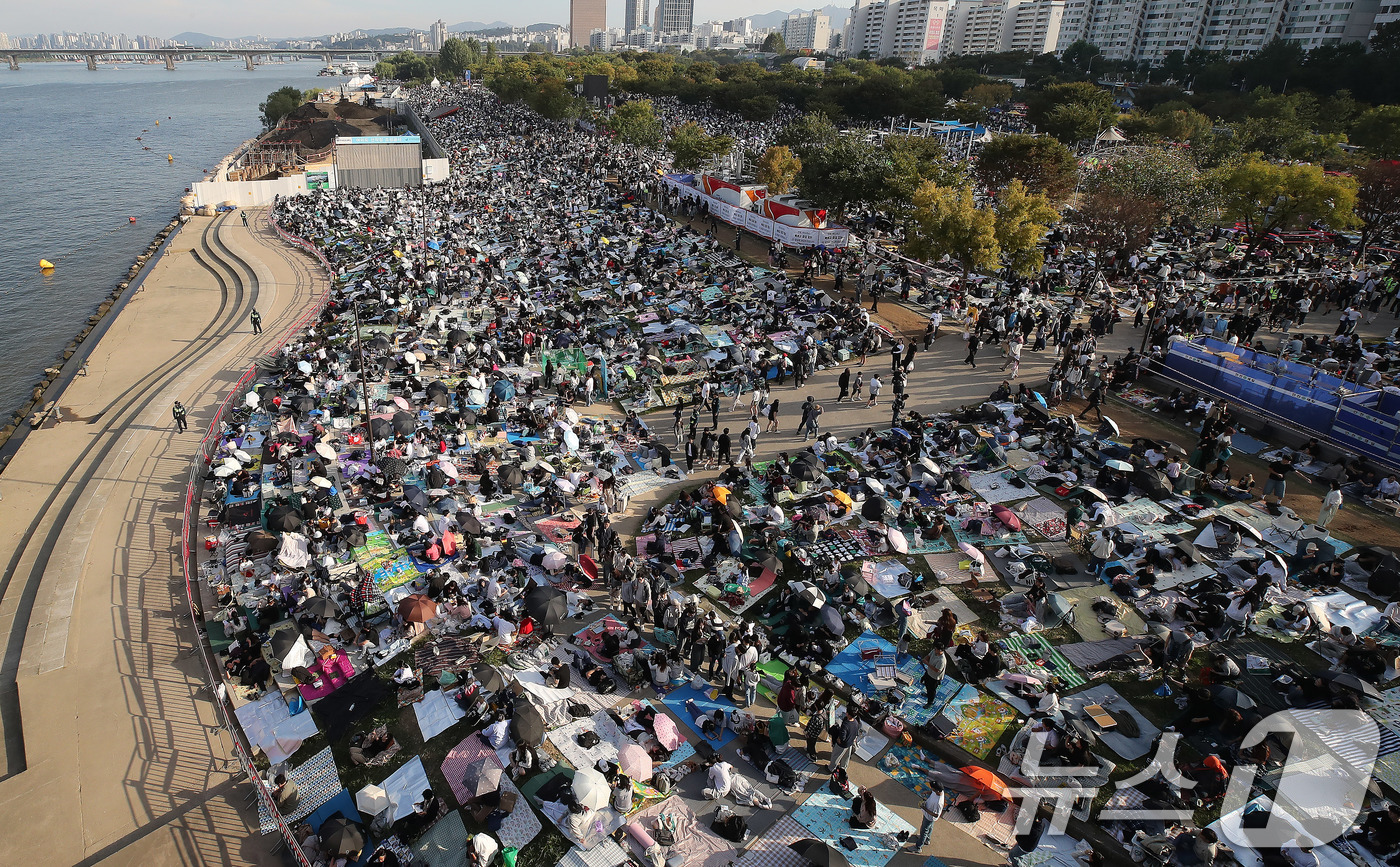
[314, 17]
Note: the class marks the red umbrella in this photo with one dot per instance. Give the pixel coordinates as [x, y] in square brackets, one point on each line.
[1007, 517]
[417, 608]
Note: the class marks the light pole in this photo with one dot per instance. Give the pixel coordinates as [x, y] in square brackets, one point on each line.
[364, 378]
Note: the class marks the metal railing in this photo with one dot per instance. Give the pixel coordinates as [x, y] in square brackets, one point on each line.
[198, 463]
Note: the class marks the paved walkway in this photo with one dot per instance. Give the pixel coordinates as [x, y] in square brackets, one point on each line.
[111, 754]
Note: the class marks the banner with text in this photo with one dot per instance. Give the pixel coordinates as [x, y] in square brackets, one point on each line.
[757, 224]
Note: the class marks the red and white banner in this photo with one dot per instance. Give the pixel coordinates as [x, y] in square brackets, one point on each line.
[760, 225]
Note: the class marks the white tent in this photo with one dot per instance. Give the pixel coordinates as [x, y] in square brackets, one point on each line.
[1112, 134]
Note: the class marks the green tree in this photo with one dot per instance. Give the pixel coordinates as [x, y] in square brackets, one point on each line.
[989, 94]
[555, 99]
[759, 108]
[636, 123]
[1267, 197]
[1378, 131]
[691, 147]
[946, 222]
[1044, 164]
[1110, 221]
[850, 169]
[1164, 175]
[404, 66]
[453, 58]
[914, 160]
[1022, 219]
[774, 44]
[779, 169]
[807, 134]
[280, 103]
[1072, 111]
[1377, 201]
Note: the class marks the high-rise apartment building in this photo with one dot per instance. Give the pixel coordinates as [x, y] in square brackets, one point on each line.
[585, 16]
[986, 26]
[636, 15]
[914, 30]
[1149, 30]
[439, 34]
[807, 30]
[674, 16]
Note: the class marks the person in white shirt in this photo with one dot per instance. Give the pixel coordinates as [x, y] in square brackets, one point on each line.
[720, 777]
[933, 811]
[505, 630]
[497, 734]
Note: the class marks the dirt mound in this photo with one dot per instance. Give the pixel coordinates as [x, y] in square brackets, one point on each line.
[354, 111]
[307, 111]
[318, 135]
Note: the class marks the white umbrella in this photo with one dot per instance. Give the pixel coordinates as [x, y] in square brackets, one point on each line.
[242, 456]
[372, 800]
[233, 464]
[897, 540]
[972, 551]
[326, 451]
[1119, 465]
[449, 469]
[252, 399]
[571, 414]
[476, 397]
[565, 485]
[813, 597]
[321, 482]
[591, 790]
[570, 439]
[304, 366]
[930, 467]
[487, 781]
[554, 560]
[223, 471]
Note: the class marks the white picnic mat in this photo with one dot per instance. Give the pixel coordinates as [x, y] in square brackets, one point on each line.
[436, 714]
[405, 786]
[270, 726]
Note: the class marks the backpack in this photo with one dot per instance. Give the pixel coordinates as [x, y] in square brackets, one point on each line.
[781, 774]
[969, 811]
[578, 710]
[733, 827]
[588, 739]
[661, 783]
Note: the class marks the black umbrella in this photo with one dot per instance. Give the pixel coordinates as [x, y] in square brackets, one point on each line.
[354, 535]
[805, 472]
[379, 343]
[282, 642]
[457, 337]
[321, 606]
[341, 836]
[1188, 549]
[1347, 680]
[510, 476]
[303, 403]
[768, 560]
[283, 519]
[831, 620]
[527, 725]
[436, 387]
[405, 422]
[260, 542]
[548, 606]
[875, 509]
[1229, 698]
[489, 677]
[393, 468]
[819, 853]
[468, 416]
[469, 524]
[854, 577]
[291, 439]
[416, 497]
[381, 428]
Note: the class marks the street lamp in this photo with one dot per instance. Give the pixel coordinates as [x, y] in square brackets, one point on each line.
[364, 378]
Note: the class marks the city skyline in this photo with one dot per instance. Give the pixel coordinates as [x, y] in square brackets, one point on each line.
[170, 17]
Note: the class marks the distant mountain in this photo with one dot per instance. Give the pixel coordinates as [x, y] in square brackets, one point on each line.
[474, 26]
[198, 40]
[838, 15]
[542, 27]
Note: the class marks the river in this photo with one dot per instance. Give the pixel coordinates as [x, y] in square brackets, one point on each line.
[72, 173]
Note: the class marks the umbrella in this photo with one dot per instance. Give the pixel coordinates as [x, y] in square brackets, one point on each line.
[405, 423]
[510, 476]
[502, 390]
[303, 403]
[1181, 544]
[400, 402]
[928, 466]
[260, 542]
[242, 457]
[634, 761]
[381, 428]
[1227, 698]
[394, 468]
[1107, 428]
[1124, 466]
[875, 509]
[1347, 680]
[547, 605]
[457, 337]
[222, 471]
[805, 472]
[417, 608]
[854, 576]
[527, 724]
[843, 498]
[372, 800]
[897, 540]
[379, 343]
[232, 464]
[469, 524]
[322, 482]
[554, 560]
[436, 387]
[326, 451]
[341, 836]
[1094, 493]
[591, 790]
[813, 597]
[973, 551]
[482, 778]
[819, 853]
[290, 438]
[1006, 517]
[489, 678]
[830, 619]
[283, 519]
[415, 497]
[988, 784]
[321, 606]
[565, 485]
[1244, 528]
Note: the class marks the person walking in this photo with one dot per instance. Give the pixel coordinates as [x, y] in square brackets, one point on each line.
[180, 413]
[1095, 401]
[844, 382]
[843, 739]
[1331, 504]
[875, 386]
[973, 344]
[773, 415]
[245, 219]
[933, 811]
[256, 318]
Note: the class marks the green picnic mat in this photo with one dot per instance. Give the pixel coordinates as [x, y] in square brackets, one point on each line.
[1043, 659]
[776, 669]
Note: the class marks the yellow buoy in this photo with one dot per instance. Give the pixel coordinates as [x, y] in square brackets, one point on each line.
[45, 265]
[169, 158]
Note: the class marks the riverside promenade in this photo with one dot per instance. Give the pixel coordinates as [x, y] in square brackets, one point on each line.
[111, 751]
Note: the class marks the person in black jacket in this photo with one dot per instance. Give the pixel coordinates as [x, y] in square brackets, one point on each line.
[843, 739]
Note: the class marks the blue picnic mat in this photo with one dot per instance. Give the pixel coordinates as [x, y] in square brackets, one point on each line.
[342, 804]
[915, 708]
[675, 703]
[855, 672]
[912, 768]
[825, 815]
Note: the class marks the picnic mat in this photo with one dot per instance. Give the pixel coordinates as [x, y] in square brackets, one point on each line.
[436, 714]
[441, 654]
[1040, 659]
[981, 720]
[565, 740]
[318, 781]
[675, 702]
[445, 844]
[850, 669]
[825, 815]
[1044, 515]
[917, 710]
[695, 842]
[404, 786]
[1086, 622]
[1106, 696]
[994, 487]
[772, 848]
[590, 637]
